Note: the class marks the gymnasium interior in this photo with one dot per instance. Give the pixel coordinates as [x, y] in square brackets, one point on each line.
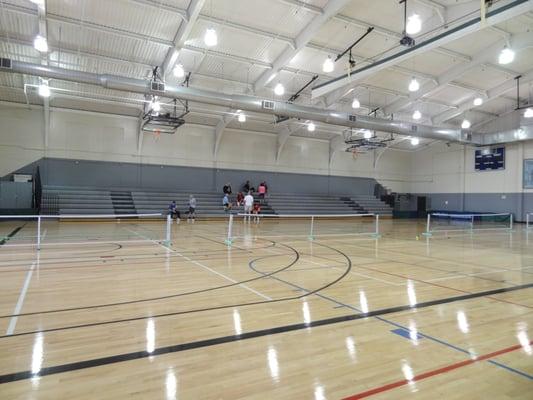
[266, 199]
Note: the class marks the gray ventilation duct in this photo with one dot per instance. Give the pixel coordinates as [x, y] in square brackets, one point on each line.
[239, 102]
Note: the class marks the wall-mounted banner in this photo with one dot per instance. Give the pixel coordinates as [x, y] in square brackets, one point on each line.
[528, 174]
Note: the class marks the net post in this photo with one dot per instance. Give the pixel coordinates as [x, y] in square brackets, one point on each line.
[229, 239]
[376, 232]
[527, 221]
[39, 232]
[428, 223]
[511, 222]
[311, 237]
[169, 225]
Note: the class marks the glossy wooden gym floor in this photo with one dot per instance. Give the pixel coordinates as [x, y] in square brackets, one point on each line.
[271, 317]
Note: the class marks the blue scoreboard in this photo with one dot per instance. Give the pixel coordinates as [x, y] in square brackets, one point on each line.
[490, 159]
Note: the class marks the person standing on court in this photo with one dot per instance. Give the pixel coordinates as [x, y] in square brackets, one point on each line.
[248, 205]
[192, 208]
[173, 211]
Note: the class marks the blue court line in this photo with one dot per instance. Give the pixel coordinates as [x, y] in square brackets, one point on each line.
[340, 304]
[405, 333]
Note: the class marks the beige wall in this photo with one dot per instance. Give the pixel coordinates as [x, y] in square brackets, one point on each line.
[91, 136]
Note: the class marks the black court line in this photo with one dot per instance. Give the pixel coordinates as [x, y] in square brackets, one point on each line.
[94, 306]
[172, 314]
[57, 369]
[10, 235]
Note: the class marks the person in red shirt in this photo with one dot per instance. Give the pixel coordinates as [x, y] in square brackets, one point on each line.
[240, 199]
[256, 210]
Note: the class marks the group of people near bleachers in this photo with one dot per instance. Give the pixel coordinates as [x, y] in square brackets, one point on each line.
[175, 213]
[245, 197]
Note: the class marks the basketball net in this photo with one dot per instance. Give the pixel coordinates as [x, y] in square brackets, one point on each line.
[354, 154]
[157, 134]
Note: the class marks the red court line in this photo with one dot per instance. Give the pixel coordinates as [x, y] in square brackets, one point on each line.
[434, 372]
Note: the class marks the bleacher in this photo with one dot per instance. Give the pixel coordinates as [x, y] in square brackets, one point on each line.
[80, 200]
[309, 204]
[370, 204]
[76, 200]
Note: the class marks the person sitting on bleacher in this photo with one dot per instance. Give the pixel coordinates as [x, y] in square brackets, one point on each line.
[173, 211]
[227, 188]
[226, 203]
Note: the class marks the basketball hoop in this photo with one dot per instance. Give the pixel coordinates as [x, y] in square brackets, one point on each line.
[157, 134]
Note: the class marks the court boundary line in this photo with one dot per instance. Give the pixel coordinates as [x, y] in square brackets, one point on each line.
[22, 375]
[387, 321]
[206, 267]
[434, 372]
[181, 312]
[20, 301]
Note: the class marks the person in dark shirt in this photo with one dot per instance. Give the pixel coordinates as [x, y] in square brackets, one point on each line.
[227, 188]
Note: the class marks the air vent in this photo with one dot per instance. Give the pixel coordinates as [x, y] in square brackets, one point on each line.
[414, 128]
[158, 86]
[5, 63]
[352, 118]
[268, 105]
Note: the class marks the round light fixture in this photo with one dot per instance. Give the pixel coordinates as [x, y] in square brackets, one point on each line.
[415, 141]
[414, 25]
[40, 44]
[414, 85]
[528, 113]
[417, 114]
[44, 89]
[506, 56]
[367, 134]
[478, 101]
[155, 105]
[178, 71]
[356, 104]
[466, 124]
[210, 37]
[328, 65]
[311, 127]
[279, 89]
[241, 117]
